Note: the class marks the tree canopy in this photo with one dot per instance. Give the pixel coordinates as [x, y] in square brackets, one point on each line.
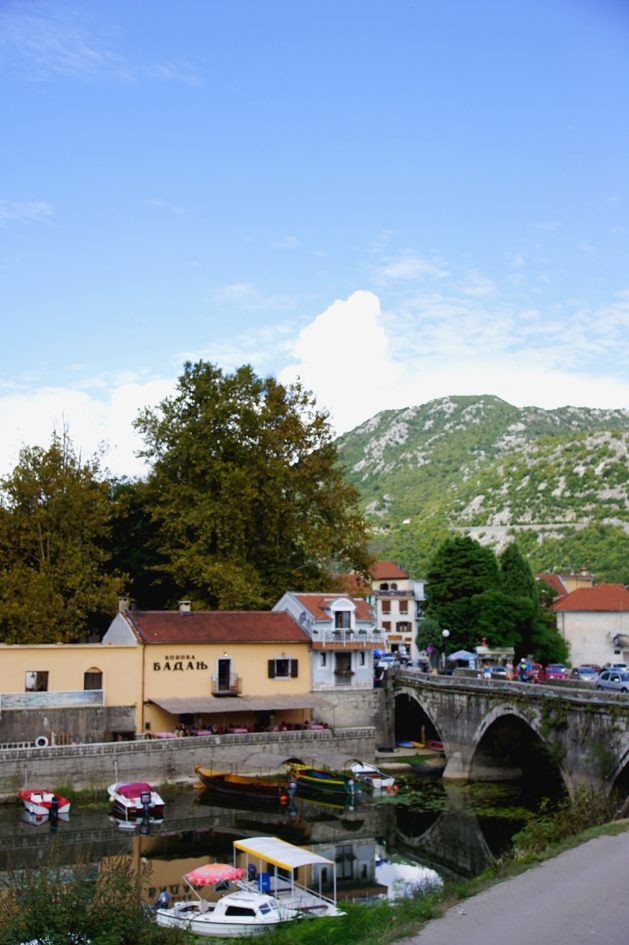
[53, 569]
[476, 596]
[246, 489]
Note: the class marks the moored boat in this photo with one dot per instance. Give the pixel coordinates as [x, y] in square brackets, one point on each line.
[136, 799]
[40, 801]
[429, 770]
[323, 779]
[219, 782]
[372, 779]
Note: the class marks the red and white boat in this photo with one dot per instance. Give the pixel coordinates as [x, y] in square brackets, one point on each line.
[135, 800]
[38, 802]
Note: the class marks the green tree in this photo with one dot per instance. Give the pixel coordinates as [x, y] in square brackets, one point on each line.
[459, 573]
[247, 490]
[53, 518]
[535, 626]
[429, 634]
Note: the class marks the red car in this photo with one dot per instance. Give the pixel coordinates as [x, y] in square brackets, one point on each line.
[555, 671]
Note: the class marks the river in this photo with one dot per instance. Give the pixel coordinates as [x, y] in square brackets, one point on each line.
[381, 847]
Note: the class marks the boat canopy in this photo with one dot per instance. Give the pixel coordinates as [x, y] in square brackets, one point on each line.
[282, 854]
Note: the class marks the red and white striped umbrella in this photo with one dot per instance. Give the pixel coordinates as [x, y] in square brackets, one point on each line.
[214, 873]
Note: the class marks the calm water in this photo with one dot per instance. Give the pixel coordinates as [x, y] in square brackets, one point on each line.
[380, 847]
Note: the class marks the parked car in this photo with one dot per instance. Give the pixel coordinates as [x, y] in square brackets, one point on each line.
[584, 673]
[498, 672]
[422, 665]
[555, 671]
[622, 667]
[613, 681]
[597, 669]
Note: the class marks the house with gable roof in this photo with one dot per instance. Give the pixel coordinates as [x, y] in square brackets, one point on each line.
[595, 622]
[343, 636]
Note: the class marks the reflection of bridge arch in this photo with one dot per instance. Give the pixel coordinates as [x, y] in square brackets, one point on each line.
[412, 714]
[508, 744]
[454, 840]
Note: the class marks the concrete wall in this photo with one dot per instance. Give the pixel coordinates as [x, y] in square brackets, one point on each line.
[164, 759]
[591, 635]
[66, 725]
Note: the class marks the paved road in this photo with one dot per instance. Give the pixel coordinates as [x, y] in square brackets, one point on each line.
[580, 896]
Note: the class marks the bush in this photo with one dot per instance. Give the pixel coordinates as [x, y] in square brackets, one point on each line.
[585, 808]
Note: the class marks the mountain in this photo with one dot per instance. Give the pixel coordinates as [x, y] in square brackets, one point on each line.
[482, 465]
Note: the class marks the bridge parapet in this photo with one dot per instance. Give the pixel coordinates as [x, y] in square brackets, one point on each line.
[581, 732]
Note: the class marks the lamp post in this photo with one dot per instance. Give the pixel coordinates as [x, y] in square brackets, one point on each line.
[445, 634]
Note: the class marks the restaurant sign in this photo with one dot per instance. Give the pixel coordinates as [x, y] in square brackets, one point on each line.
[180, 663]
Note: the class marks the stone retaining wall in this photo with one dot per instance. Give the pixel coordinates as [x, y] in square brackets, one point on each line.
[163, 759]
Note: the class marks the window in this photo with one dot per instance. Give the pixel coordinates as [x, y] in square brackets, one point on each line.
[403, 606]
[361, 659]
[386, 606]
[323, 660]
[36, 682]
[402, 626]
[394, 587]
[239, 910]
[342, 619]
[386, 624]
[93, 679]
[283, 668]
[384, 587]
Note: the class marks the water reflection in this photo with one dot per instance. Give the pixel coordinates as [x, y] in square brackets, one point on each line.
[381, 847]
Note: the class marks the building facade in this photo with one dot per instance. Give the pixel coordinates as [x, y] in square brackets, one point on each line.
[397, 600]
[343, 634]
[594, 621]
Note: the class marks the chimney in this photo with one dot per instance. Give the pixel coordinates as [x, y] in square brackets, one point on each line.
[124, 603]
[184, 607]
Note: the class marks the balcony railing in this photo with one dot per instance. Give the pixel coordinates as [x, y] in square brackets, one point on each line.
[344, 678]
[368, 638]
[227, 687]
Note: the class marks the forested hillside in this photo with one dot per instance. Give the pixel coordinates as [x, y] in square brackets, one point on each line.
[558, 479]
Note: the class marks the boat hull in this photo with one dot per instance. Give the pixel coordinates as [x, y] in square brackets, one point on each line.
[317, 781]
[38, 802]
[231, 785]
[200, 925]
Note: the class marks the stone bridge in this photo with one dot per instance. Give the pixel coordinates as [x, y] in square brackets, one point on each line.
[494, 730]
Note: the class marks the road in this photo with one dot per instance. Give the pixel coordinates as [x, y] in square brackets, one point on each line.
[577, 897]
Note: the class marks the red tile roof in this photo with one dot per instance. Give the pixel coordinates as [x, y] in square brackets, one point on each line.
[387, 570]
[601, 597]
[316, 602]
[554, 580]
[215, 626]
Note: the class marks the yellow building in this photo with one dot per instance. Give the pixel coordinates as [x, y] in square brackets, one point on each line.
[197, 669]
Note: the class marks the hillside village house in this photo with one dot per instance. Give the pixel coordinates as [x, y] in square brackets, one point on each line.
[177, 668]
[594, 620]
[566, 583]
[398, 600]
[343, 635]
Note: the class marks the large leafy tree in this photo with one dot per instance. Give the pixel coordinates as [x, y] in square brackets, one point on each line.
[247, 490]
[53, 519]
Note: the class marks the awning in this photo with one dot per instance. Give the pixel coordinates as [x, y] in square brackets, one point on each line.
[217, 705]
[282, 854]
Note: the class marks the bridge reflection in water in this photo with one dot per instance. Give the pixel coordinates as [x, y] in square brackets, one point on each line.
[445, 835]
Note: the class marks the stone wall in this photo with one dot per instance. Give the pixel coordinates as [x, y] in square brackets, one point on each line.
[356, 708]
[66, 725]
[164, 759]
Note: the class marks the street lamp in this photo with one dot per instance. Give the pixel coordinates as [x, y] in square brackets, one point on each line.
[445, 634]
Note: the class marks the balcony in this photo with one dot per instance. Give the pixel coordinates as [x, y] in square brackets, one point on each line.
[344, 678]
[227, 687]
[348, 639]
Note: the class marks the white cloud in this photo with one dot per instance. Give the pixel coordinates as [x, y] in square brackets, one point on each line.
[344, 359]
[287, 242]
[29, 417]
[34, 211]
[408, 267]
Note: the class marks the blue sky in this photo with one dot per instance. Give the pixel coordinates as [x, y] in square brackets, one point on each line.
[394, 201]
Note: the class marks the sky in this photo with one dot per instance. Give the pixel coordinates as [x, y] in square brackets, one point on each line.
[394, 201]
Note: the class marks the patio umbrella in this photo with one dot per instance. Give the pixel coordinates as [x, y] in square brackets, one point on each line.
[213, 873]
[462, 655]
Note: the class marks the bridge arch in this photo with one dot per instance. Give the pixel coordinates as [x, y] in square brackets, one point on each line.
[508, 745]
[414, 718]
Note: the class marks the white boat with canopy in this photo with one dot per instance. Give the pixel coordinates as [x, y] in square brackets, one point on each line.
[295, 897]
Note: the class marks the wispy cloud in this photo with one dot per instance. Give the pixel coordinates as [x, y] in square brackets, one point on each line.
[286, 242]
[408, 267]
[259, 347]
[244, 295]
[177, 208]
[34, 211]
[42, 42]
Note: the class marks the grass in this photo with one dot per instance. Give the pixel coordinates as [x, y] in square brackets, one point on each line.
[91, 795]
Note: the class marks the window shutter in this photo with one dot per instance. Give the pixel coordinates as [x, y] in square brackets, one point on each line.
[294, 670]
[271, 669]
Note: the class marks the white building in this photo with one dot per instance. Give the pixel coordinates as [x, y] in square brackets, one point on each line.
[595, 623]
[397, 600]
[343, 633]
